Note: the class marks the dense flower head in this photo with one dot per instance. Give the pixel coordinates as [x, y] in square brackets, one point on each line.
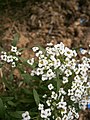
[66, 79]
[26, 116]
[10, 57]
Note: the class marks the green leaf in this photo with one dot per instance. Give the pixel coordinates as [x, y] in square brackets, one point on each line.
[2, 110]
[36, 96]
[7, 84]
[21, 49]
[1, 64]
[26, 101]
[41, 48]
[11, 77]
[5, 99]
[16, 39]
[11, 103]
[58, 80]
[27, 91]
[17, 114]
[26, 78]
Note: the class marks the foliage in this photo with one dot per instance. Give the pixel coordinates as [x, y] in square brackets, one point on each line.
[49, 86]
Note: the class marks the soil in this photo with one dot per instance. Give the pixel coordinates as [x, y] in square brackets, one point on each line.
[46, 21]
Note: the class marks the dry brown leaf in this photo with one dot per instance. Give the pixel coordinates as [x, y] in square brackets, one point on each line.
[16, 73]
[54, 42]
[67, 42]
[23, 41]
[1, 74]
[26, 54]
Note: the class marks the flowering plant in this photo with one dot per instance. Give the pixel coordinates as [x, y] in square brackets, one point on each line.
[63, 80]
[58, 79]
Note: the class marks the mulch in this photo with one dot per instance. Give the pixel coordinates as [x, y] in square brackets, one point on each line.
[46, 21]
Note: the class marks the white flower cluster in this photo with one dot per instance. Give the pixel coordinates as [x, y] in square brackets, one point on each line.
[83, 51]
[10, 57]
[59, 65]
[26, 116]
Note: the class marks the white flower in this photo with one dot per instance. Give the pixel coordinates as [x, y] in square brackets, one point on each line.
[43, 114]
[9, 58]
[44, 96]
[57, 63]
[68, 52]
[70, 115]
[15, 58]
[31, 61]
[62, 92]
[78, 93]
[39, 53]
[65, 117]
[83, 73]
[77, 115]
[68, 72]
[26, 116]
[54, 95]
[13, 64]
[35, 49]
[40, 64]
[53, 58]
[13, 49]
[48, 112]
[39, 71]
[70, 92]
[62, 104]
[77, 78]
[84, 104]
[18, 53]
[62, 67]
[50, 51]
[73, 98]
[44, 77]
[48, 102]
[40, 106]
[60, 48]
[33, 72]
[50, 74]
[3, 52]
[50, 87]
[58, 118]
[64, 111]
[49, 44]
[41, 56]
[65, 80]
[45, 62]
[83, 51]
[74, 53]
[4, 57]
[89, 52]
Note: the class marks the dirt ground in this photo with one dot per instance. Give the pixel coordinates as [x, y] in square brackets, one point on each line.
[48, 21]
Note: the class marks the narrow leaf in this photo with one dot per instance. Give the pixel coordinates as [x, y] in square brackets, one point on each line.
[2, 110]
[58, 80]
[15, 40]
[6, 83]
[11, 103]
[36, 96]
[17, 114]
[26, 78]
